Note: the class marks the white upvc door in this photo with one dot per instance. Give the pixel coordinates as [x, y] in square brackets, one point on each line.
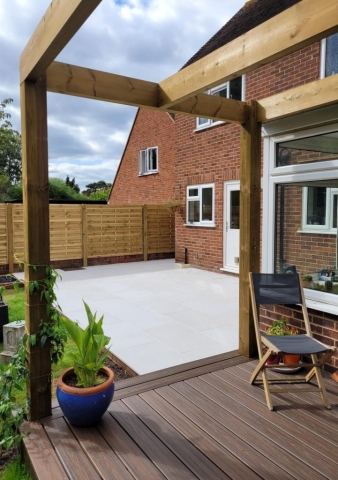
[231, 226]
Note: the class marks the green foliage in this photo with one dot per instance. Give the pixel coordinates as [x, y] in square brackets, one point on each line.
[10, 146]
[16, 471]
[16, 306]
[100, 195]
[72, 184]
[281, 327]
[12, 414]
[13, 375]
[14, 192]
[90, 343]
[59, 190]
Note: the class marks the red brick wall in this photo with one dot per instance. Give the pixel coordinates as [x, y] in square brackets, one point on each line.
[212, 155]
[151, 129]
[324, 326]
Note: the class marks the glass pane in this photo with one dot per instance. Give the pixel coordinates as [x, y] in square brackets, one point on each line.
[194, 211]
[202, 121]
[193, 192]
[234, 209]
[313, 255]
[316, 206]
[334, 212]
[207, 204]
[307, 150]
[236, 88]
[331, 60]
[152, 159]
[221, 93]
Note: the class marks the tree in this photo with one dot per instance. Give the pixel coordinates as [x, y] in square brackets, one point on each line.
[95, 186]
[10, 146]
[72, 184]
[58, 190]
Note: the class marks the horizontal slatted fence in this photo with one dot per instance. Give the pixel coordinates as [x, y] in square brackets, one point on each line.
[82, 232]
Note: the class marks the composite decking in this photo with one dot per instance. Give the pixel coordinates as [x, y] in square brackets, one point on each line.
[200, 420]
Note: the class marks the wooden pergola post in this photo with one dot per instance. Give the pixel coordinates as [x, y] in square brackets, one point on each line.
[36, 230]
[249, 256]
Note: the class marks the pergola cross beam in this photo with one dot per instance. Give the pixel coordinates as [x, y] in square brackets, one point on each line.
[296, 27]
[94, 84]
[61, 21]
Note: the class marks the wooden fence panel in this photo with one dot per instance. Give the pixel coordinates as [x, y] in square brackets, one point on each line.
[114, 230]
[160, 229]
[18, 234]
[91, 231]
[65, 232]
[3, 234]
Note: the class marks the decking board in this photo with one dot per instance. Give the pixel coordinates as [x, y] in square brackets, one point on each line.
[200, 420]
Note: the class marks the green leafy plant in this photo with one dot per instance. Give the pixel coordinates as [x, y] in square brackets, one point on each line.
[12, 413]
[306, 278]
[90, 356]
[281, 327]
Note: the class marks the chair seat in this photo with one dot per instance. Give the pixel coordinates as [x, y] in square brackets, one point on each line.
[297, 344]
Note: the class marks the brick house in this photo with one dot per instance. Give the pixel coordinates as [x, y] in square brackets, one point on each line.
[299, 175]
[146, 173]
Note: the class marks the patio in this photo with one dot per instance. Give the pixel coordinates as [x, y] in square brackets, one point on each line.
[157, 314]
[202, 420]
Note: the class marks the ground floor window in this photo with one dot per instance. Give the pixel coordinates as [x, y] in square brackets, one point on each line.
[300, 209]
[200, 204]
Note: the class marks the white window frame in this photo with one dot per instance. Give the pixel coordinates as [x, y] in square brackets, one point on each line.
[327, 227]
[209, 122]
[323, 58]
[198, 197]
[144, 161]
[289, 174]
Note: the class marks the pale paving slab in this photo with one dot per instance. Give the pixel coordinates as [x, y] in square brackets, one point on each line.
[157, 315]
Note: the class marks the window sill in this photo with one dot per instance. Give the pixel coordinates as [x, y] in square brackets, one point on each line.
[146, 174]
[206, 127]
[322, 307]
[320, 232]
[212, 225]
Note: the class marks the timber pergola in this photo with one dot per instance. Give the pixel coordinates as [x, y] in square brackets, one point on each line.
[299, 26]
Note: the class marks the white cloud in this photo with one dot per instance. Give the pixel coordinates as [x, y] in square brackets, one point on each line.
[147, 39]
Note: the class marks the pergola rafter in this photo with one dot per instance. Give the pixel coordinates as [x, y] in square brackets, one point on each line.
[291, 30]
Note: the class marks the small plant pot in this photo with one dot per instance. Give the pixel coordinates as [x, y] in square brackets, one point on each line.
[84, 407]
[291, 359]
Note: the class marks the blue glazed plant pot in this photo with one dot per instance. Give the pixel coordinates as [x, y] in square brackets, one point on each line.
[84, 407]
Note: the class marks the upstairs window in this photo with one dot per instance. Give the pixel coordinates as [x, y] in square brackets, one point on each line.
[148, 161]
[200, 204]
[329, 56]
[233, 89]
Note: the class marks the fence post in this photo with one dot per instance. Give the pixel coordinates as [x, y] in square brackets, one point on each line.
[10, 237]
[84, 236]
[145, 232]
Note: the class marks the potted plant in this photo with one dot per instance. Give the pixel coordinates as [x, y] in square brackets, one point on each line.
[281, 327]
[85, 391]
[306, 280]
[173, 204]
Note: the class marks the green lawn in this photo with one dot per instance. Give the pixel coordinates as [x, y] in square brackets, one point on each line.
[16, 311]
[15, 471]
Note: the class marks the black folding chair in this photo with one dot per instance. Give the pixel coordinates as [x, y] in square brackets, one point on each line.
[285, 289]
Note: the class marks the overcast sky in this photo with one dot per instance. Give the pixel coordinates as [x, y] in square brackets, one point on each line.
[146, 39]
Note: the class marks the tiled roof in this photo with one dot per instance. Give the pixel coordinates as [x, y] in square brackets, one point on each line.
[252, 14]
